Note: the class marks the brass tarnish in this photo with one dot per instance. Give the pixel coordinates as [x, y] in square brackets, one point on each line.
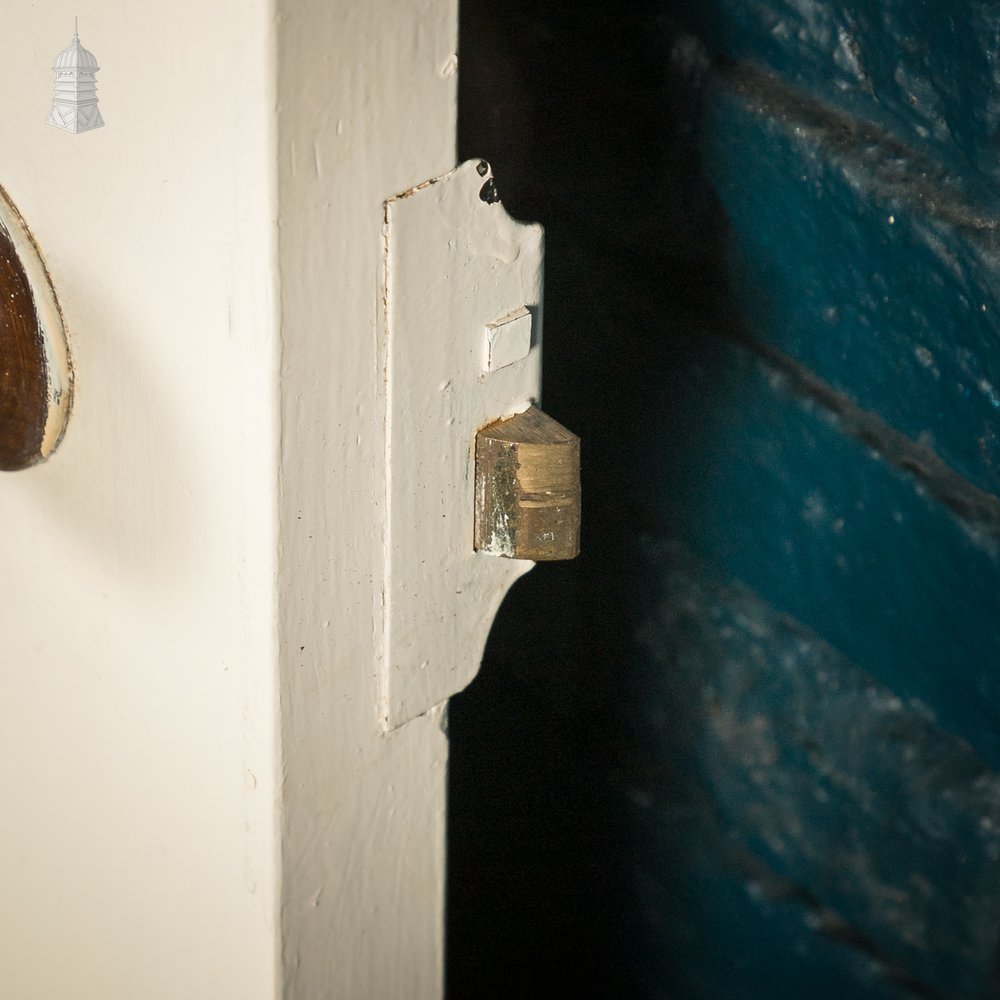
[528, 488]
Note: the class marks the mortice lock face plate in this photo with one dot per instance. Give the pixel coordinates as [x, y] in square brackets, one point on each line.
[461, 293]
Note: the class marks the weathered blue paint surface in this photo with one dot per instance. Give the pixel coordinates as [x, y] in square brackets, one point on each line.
[770, 488]
[926, 71]
[749, 747]
[827, 787]
[896, 305]
[845, 470]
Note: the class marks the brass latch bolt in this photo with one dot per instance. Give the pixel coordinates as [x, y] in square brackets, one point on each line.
[528, 488]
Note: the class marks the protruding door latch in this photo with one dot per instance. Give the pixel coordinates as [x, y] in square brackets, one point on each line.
[528, 488]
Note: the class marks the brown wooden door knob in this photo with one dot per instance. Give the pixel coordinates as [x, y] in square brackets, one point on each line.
[35, 373]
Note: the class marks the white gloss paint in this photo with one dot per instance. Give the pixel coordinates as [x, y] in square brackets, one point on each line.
[453, 263]
[199, 800]
[137, 687]
[366, 109]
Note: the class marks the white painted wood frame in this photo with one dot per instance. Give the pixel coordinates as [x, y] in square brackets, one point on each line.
[198, 800]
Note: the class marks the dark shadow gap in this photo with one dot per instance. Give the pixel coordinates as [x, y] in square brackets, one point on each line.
[542, 856]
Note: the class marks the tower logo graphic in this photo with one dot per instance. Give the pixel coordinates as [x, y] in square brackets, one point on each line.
[74, 106]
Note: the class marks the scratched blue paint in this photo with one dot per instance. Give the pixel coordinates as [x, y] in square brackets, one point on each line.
[812, 716]
[928, 71]
[853, 149]
[770, 490]
[726, 938]
[897, 309]
[839, 806]
[858, 184]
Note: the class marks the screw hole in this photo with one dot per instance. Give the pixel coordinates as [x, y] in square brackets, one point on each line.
[488, 192]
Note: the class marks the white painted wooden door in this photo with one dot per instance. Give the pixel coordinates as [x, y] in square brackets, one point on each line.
[197, 799]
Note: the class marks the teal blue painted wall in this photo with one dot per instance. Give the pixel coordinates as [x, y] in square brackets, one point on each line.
[748, 746]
